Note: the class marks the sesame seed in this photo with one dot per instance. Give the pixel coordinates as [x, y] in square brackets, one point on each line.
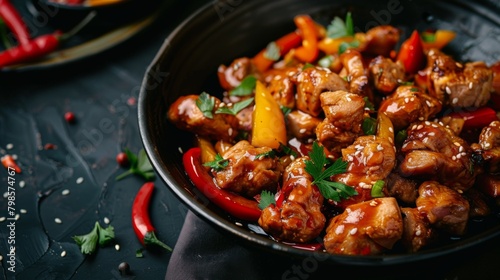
[459, 156]
[2, 219]
[1, 258]
[230, 131]
[418, 232]
[407, 100]
[427, 123]
[79, 180]
[456, 144]
[5, 194]
[431, 134]
[302, 130]
[63, 254]
[391, 129]
[17, 217]
[58, 221]
[421, 118]
[180, 150]
[22, 184]
[460, 191]
[448, 90]
[429, 104]
[65, 192]
[23, 211]
[420, 127]
[117, 247]
[14, 156]
[9, 146]
[238, 224]
[455, 100]
[470, 85]
[106, 220]
[454, 158]
[353, 231]
[461, 149]
[380, 148]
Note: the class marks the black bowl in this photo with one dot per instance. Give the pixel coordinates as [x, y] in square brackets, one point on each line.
[218, 33]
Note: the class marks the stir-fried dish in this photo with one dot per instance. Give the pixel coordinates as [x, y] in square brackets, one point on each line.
[352, 143]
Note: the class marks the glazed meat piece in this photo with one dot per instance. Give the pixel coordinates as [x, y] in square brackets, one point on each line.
[369, 159]
[247, 173]
[417, 232]
[302, 125]
[298, 218]
[366, 228]
[232, 75]
[385, 74]
[185, 114]
[444, 207]
[456, 84]
[489, 143]
[489, 184]
[381, 40]
[409, 104]
[433, 152]
[478, 204]
[311, 82]
[403, 189]
[280, 85]
[356, 73]
[344, 113]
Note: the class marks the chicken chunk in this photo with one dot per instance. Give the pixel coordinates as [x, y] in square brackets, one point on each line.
[433, 152]
[301, 125]
[366, 228]
[311, 82]
[344, 114]
[249, 170]
[489, 146]
[403, 189]
[298, 218]
[381, 40]
[444, 207]
[280, 85]
[409, 104]
[232, 75]
[456, 84]
[356, 73]
[385, 74]
[185, 114]
[417, 232]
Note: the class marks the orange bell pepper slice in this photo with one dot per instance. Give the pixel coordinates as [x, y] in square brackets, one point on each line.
[285, 44]
[411, 53]
[309, 51]
[10, 163]
[268, 123]
[441, 39]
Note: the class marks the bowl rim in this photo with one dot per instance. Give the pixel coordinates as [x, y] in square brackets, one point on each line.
[243, 234]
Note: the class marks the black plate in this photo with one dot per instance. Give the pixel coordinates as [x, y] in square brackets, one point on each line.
[220, 32]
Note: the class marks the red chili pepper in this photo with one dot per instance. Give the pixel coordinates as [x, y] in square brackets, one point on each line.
[411, 53]
[14, 21]
[9, 161]
[234, 204]
[140, 217]
[36, 48]
[285, 44]
[478, 118]
[309, 51]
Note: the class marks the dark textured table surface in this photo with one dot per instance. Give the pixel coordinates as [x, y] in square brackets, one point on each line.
[101, 91]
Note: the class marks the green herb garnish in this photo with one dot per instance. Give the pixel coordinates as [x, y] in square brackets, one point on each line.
[266, 199]
[377, 189]
[206, 104]
[99, 235]
[272, 51]
[401, 136]
[339, 28]
[270, 154]
[369, 126]
[236, 108]
[326, 61]
[368, 104]
[344, 46]
[245, 88]
[139, 165]
[321, 169]
[218, 164]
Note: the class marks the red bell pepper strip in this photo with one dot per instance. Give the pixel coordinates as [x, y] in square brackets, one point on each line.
[36, 48]
[14, 22]
[232, 203]
[478, 118]
[285, 44]
[411, 53]
[9, 162]
[309, 51]
[141, 222]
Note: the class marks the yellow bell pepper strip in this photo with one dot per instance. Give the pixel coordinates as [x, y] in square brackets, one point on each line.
[411, 53]
[208, 151]
[438, 39]
[309, 51]
[291, 40]
[385, 129]
[268, 123]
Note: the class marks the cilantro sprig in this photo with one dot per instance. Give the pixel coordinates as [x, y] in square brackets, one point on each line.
[218, 164]
[339, 28]
[206, 104]
[97, 236]
[245, 88]
[139, 165]
[321, 169]
[266, 199]
[272, 52]
[237, 107]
